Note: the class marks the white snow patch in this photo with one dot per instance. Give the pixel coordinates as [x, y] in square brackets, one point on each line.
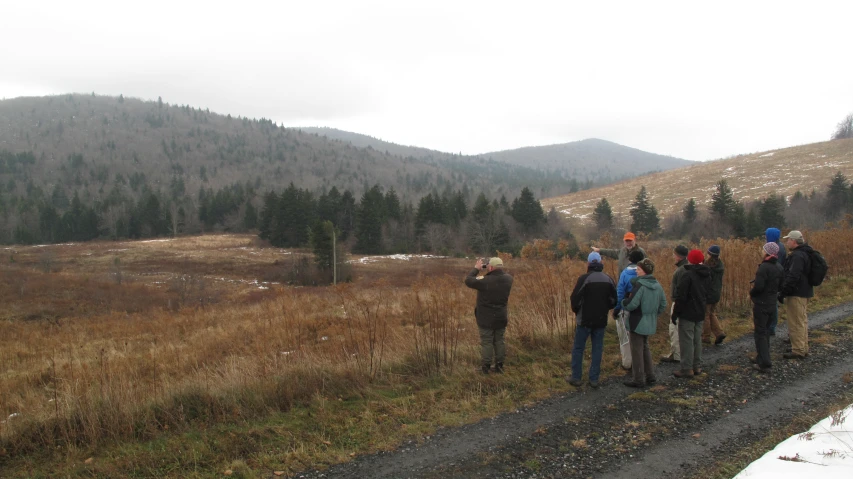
[402, 257]
[825, 450]
[157, 240]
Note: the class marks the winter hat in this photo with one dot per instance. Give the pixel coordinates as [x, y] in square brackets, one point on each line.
[636, 256]
[714, 250]
[695, 256]
[772, 235]
[647, 265]
[681, 250]
[771, 249]
[593, 258]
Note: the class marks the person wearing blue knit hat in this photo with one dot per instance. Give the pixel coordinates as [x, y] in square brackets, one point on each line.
[592, 299]
[772, 235]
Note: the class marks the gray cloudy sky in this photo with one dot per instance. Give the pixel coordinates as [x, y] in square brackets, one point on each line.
[697, 81]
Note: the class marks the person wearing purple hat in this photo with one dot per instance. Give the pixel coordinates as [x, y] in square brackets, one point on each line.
[592, 299]
[712, 323]
[765, 289]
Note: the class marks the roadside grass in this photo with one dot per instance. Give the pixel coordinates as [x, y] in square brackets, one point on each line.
[225, 375]
[733, 464]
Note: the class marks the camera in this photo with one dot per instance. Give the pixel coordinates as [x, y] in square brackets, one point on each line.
[485, 263]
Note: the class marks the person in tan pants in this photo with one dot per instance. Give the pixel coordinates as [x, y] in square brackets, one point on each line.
[796, 292]
[680, 257]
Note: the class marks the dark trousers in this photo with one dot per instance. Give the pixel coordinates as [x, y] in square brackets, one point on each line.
[761, 317]
[641, 359]
[581, 335]
[774, 320]
[492, 346]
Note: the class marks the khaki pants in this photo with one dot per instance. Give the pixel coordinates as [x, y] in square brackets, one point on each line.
[798, 324]
[674, 346]
[712, 323]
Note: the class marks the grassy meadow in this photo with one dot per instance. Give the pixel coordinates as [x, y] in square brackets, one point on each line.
[191, 356]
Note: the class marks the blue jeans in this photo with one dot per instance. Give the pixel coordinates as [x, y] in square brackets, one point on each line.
[774, 320]
[581, 334]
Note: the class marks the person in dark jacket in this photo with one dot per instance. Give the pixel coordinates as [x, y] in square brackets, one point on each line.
[647, 302]
[680, 256]
[493, 286]
[712, 323]
[796, 292]
[621, 254]
[592, 299]
[772, 235]
[689, 312]
[765, 290]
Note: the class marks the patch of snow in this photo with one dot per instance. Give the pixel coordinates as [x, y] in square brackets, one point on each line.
[825, 450]
[157, 240]
[767, 154]
[401, 257]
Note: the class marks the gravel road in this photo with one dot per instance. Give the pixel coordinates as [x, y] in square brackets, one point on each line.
[670, 430]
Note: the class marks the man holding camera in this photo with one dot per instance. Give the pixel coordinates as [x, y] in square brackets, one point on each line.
[493, 285]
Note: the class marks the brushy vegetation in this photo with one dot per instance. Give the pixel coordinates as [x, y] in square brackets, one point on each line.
[90, 361]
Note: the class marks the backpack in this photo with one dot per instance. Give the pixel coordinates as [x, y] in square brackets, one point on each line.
[817, 268]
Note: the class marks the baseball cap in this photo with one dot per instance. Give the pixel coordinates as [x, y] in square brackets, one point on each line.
[629, 236]
[496, 262]
[794, 235]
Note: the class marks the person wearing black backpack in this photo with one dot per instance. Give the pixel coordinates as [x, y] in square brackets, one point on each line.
[796, 291]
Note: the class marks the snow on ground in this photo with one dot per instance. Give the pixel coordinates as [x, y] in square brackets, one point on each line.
[403, 257]
[767, 154]
[825, 450]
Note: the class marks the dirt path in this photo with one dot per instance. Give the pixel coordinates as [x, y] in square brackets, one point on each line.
[670, 430]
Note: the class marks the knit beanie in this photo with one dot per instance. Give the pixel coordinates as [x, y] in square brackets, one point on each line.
[647, 265]
[681, 250]
[636, 256]
[714, 250]
[770, 249]
[695, 256]
[593, 258]
[772, 235]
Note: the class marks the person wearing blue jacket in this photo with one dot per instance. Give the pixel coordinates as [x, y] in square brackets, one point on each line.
[623, 289]
[772, 235]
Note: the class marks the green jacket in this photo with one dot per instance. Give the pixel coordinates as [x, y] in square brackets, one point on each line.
[717, 270]
[620, 255]
[650, 298]
[679, 272]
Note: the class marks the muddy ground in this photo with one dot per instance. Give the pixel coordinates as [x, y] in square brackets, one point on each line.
[671, 430]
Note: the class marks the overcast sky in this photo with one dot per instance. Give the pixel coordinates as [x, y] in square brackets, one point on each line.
[696, 80]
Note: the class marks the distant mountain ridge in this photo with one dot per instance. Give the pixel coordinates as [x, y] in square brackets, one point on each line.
[599, 161]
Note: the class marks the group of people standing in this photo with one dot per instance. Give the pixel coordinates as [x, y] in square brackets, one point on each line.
[637, 299]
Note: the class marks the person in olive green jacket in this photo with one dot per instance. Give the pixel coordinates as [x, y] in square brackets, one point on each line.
[680, 256]
[712, 323]
[649, 300]
[621, 254]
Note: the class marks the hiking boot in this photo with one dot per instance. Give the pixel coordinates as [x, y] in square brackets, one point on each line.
[706, 340]
[683, 373]
[720, 339]
[793, 355]
[761, 370]
[499, 368]
[634, 384]
[669, 359]
[485, 369]
[698, 372]
[593, 384]
[651, 380]
[574, 382]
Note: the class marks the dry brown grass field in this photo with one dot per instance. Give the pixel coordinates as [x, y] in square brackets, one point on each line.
[180, 357]
[751, 177]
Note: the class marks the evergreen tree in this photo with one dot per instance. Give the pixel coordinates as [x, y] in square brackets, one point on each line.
[771, 212]
[265, 222]
[321, 241]
[722, 201]
[603, 215]
[837, 198]
[250, 217]
[527, 212]
[369, 218]
[690, 211]
[644, 214]
[392, 204]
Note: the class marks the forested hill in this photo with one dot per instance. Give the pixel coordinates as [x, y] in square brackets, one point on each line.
[590, 162]
[114, 154]
[590, 158]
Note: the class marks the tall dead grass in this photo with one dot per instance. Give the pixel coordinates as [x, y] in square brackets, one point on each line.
[96, 377]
